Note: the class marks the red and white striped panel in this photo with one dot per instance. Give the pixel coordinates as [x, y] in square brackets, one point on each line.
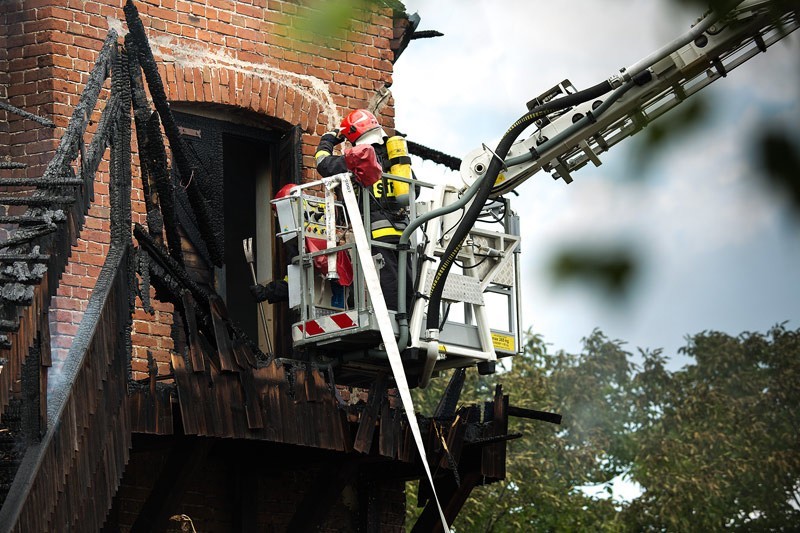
[326, 324]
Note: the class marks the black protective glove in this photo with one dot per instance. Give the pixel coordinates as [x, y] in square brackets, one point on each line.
[277, 291]
[259, 292]
[332, 137]
[272, 292]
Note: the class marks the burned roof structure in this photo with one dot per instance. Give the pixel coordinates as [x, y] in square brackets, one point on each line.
[131, 391]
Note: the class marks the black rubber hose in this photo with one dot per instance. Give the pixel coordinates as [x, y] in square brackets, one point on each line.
[487, 183]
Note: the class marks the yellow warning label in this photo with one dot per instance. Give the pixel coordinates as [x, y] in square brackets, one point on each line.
[503, 342]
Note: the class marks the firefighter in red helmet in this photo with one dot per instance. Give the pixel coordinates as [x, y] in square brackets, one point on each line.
[388, 210]
[278, 290]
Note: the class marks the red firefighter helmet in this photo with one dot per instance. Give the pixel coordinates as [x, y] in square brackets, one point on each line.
[359, 122]
[283, 192]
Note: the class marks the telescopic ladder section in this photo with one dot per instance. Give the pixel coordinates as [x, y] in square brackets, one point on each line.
[568, 140]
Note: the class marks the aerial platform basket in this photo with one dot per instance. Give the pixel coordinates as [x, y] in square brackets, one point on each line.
[335, 319]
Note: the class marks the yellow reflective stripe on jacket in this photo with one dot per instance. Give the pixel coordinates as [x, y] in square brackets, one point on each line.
[322, 153]
[386, 232]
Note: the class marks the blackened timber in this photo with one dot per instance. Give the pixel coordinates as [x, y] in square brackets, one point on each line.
[493, 439]
[34, 201]
[455, 443]
[97, 147]
[25, 114]
[441, 158]
[24, 220]
[177, 145]
[449, 401]
[171, 266]
[426, 34]
[5, 165]
[41, 183]
[67, 150]
[493, 461]
[28, 235]
[533, 414]
[33, 257]
[141, 114]
[120, 189]
[51, 489]
[366, 425]
[389, 429]
[219, 318]
[158, 172]
[192, 335]
[452, 497]
[9, 325]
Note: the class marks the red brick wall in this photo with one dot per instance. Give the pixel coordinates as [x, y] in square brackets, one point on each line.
[243, 54]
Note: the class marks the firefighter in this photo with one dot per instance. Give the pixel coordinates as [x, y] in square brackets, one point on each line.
[277, 290]
[388, 206]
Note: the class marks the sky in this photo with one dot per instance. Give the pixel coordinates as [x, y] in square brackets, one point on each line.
[719, 248]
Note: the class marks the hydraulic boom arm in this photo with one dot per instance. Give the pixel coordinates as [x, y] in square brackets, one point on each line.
[569, 138]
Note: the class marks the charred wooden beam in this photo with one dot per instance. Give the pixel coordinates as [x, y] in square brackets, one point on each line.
[484, 441]
[35, 201]
[533, 414]
[28, 235]
[33, 257]
[67, 150]
[25, 114]
[192, 334]
[16, 293]
[9, 325]
[493, 460]
[159, 173]
[441, 158]
[164, 266]
[28, 220]
[366, 425]
[449, 401]
[452, 497]
[31, 422]
[21, 272]
[171, 266]
[10, 165]
[41, 183]
[120, 182]
[97, 147]
[186, 172]
[141, 114]
[220, 320]
[426, 34]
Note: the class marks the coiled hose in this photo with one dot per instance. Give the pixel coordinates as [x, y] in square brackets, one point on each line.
[485, 189]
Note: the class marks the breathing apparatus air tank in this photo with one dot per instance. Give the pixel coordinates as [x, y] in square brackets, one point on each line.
[400, 162]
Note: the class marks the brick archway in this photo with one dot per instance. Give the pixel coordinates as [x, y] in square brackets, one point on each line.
[293, 100]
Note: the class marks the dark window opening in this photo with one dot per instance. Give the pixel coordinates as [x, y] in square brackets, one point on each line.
[242, 168]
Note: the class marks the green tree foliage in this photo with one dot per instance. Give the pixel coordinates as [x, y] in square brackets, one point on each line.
[549, 462]
[714, 445]
[717, 442]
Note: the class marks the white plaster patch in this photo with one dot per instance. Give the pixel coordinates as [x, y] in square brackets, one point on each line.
[171, 50]
[117, 25]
